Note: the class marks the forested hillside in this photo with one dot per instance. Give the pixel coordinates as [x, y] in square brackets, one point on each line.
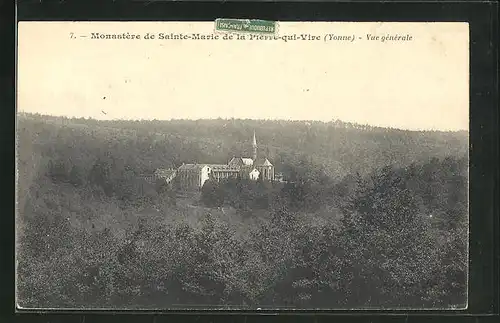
[371, 216]
[336, 147]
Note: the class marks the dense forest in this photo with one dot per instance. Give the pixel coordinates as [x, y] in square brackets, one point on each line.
[370, 217]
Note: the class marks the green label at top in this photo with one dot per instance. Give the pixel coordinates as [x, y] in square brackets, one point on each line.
[246, 25]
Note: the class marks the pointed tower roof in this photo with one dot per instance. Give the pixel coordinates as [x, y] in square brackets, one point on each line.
[263, 162]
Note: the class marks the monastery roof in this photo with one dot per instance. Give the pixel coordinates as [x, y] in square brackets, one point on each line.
[247, 161]
[165, 172]
[223, 167]
[191, 166]
[263, 162]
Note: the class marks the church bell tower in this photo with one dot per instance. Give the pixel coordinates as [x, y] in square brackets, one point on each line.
[254, 146]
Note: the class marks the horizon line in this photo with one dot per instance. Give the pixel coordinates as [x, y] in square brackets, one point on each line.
[245, 119]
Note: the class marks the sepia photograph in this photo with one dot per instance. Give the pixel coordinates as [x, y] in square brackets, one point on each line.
[242, 165]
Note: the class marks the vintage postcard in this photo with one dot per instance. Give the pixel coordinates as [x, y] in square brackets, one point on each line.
[242, 164]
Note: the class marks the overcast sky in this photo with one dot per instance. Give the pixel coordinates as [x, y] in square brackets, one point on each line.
[418, 84]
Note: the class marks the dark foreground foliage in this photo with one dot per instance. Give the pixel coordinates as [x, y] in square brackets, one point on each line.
[92, 233]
